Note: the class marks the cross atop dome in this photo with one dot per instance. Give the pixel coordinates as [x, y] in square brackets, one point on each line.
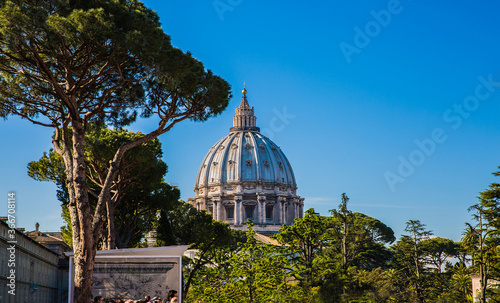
[244, 101]
[244, 118]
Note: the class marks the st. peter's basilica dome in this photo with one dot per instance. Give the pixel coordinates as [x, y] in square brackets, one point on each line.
[245, 175]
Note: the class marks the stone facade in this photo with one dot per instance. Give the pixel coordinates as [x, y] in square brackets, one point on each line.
[38, 275]
[476, 286]
[245, 175]
[133, 273]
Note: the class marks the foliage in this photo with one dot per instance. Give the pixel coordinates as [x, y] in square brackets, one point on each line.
[211, 284]
[67, 64]
[255, 272]
[259, 269]
[358, 242]
[376, 285]
[329, 254]
[305, 239]
[365, 241]
[410, 258]
[139, 191]
[461, 284]
[438, 250]
[182, 224]
[482, 240]
[344, 258]
[308, 265]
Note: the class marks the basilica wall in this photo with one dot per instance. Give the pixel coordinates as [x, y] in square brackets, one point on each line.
[35, 268]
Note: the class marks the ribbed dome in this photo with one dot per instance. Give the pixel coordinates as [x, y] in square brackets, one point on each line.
[246, 176]
[245, 155]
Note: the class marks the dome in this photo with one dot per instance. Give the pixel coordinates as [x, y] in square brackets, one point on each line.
[245, 175]
[245, 156]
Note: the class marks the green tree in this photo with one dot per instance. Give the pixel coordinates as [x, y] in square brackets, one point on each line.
[439, 250]
[436, 278]
[315, 272]
[214, 282]
[305, 239]
[254, 272]
[358, 241]
[65, 64]
[138, 187]
[259, 269]
[409, 257]
[332, 255]
[461, 284]
[364, 239]
[376, 285]
[137, 213]
[183, 224]
[490, 200]
[139, 191]
[482, 241]
[368, 242]
[344, 219]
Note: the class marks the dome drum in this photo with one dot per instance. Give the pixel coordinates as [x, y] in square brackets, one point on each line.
[267, 213]
[235, 187]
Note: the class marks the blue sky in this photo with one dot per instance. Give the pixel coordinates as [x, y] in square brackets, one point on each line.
[391, 102]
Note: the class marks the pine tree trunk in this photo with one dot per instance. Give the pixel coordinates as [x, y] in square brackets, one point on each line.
[83, 238]
[84, 267]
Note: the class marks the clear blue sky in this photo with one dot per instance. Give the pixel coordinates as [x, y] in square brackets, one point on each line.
[345, 90]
